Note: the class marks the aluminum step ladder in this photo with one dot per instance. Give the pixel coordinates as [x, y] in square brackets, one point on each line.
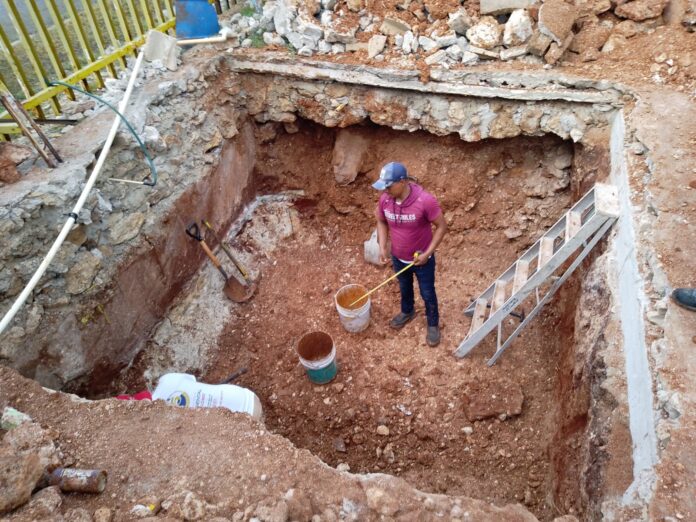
[581, 227]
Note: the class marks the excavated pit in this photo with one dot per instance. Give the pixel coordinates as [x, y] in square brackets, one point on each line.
[515, 432]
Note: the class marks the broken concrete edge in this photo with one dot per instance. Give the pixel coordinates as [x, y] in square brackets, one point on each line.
[507, 85]
[368, 497]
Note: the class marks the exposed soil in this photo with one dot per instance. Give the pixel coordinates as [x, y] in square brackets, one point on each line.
[388, 379]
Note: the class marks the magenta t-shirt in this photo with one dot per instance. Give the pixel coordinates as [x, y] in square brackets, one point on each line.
[409, 222]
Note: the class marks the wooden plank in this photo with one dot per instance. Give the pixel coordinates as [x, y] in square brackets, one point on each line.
[573, 224]
[521, 275]
[479, 315]
[545, 250]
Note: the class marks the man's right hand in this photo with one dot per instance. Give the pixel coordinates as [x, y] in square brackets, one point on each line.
[383, 256]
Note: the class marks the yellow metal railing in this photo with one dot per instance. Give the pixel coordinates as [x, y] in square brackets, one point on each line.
[75, 41]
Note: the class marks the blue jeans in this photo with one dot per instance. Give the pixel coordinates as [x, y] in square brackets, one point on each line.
[426, 283]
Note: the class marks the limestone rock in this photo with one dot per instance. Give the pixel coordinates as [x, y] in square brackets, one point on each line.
[19, 473]
[32, 438]
[556, 19]
[518, 29]
[409, 42]
[349, 151]
[376, 45]
[486, 399]
[495, 7]
[469, 58]
[455, 52]
[591, 36]
[439, 9]
[556, 51]
[12, 418]
[484, 53]
[639, 10]
[538, 44]
[460, 21]
[344, 36]
[125, 228]
[354, 5]
[486, 34]
[393, 26]
[428, 44]
[283, 16]
[613, 42]
[435, 58]
[358, 46]
[80, 276]
[627, 29]
[446, 40]
[513, 52]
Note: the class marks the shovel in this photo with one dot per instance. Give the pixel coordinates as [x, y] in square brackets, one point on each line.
[233, 289]
[240, 267]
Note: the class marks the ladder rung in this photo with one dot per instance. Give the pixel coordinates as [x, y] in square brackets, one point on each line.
[573, 224]
[479, 315]
[545, 250]
[521, 275]
[498, 295]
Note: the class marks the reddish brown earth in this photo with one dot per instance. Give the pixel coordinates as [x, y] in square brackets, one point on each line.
[390, 378]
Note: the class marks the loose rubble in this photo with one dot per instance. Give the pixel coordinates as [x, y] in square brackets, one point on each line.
[419, 29]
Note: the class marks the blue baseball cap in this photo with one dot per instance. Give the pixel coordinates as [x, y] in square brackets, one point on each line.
[390, 174]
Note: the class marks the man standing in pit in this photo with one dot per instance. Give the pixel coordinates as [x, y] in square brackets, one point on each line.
[407, 213]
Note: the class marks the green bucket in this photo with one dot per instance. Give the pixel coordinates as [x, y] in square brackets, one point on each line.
[317, 354]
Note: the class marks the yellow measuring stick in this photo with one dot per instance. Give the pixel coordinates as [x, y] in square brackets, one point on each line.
[415, 256]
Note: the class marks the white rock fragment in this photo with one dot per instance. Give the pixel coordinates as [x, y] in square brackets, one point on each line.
[428, 44]
[486, 34]
[460, 21]
[376, 45]
[518, 29]
[437, 57]
[513, 52]
[469, 58]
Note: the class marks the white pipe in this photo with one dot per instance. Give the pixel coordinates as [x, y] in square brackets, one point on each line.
[194, 41]
[78, 206]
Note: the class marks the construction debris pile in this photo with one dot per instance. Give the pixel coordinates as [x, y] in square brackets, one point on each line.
[445, 33]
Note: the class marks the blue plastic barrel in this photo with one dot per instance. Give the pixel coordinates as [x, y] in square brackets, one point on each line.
[195, 19]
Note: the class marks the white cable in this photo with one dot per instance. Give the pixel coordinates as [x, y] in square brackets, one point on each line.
[78, 206]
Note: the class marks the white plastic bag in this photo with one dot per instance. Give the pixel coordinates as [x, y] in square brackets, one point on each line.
[372, 249]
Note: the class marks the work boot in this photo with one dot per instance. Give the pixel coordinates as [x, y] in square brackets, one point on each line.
[685, 297]
[433, 336]
[400, 320]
